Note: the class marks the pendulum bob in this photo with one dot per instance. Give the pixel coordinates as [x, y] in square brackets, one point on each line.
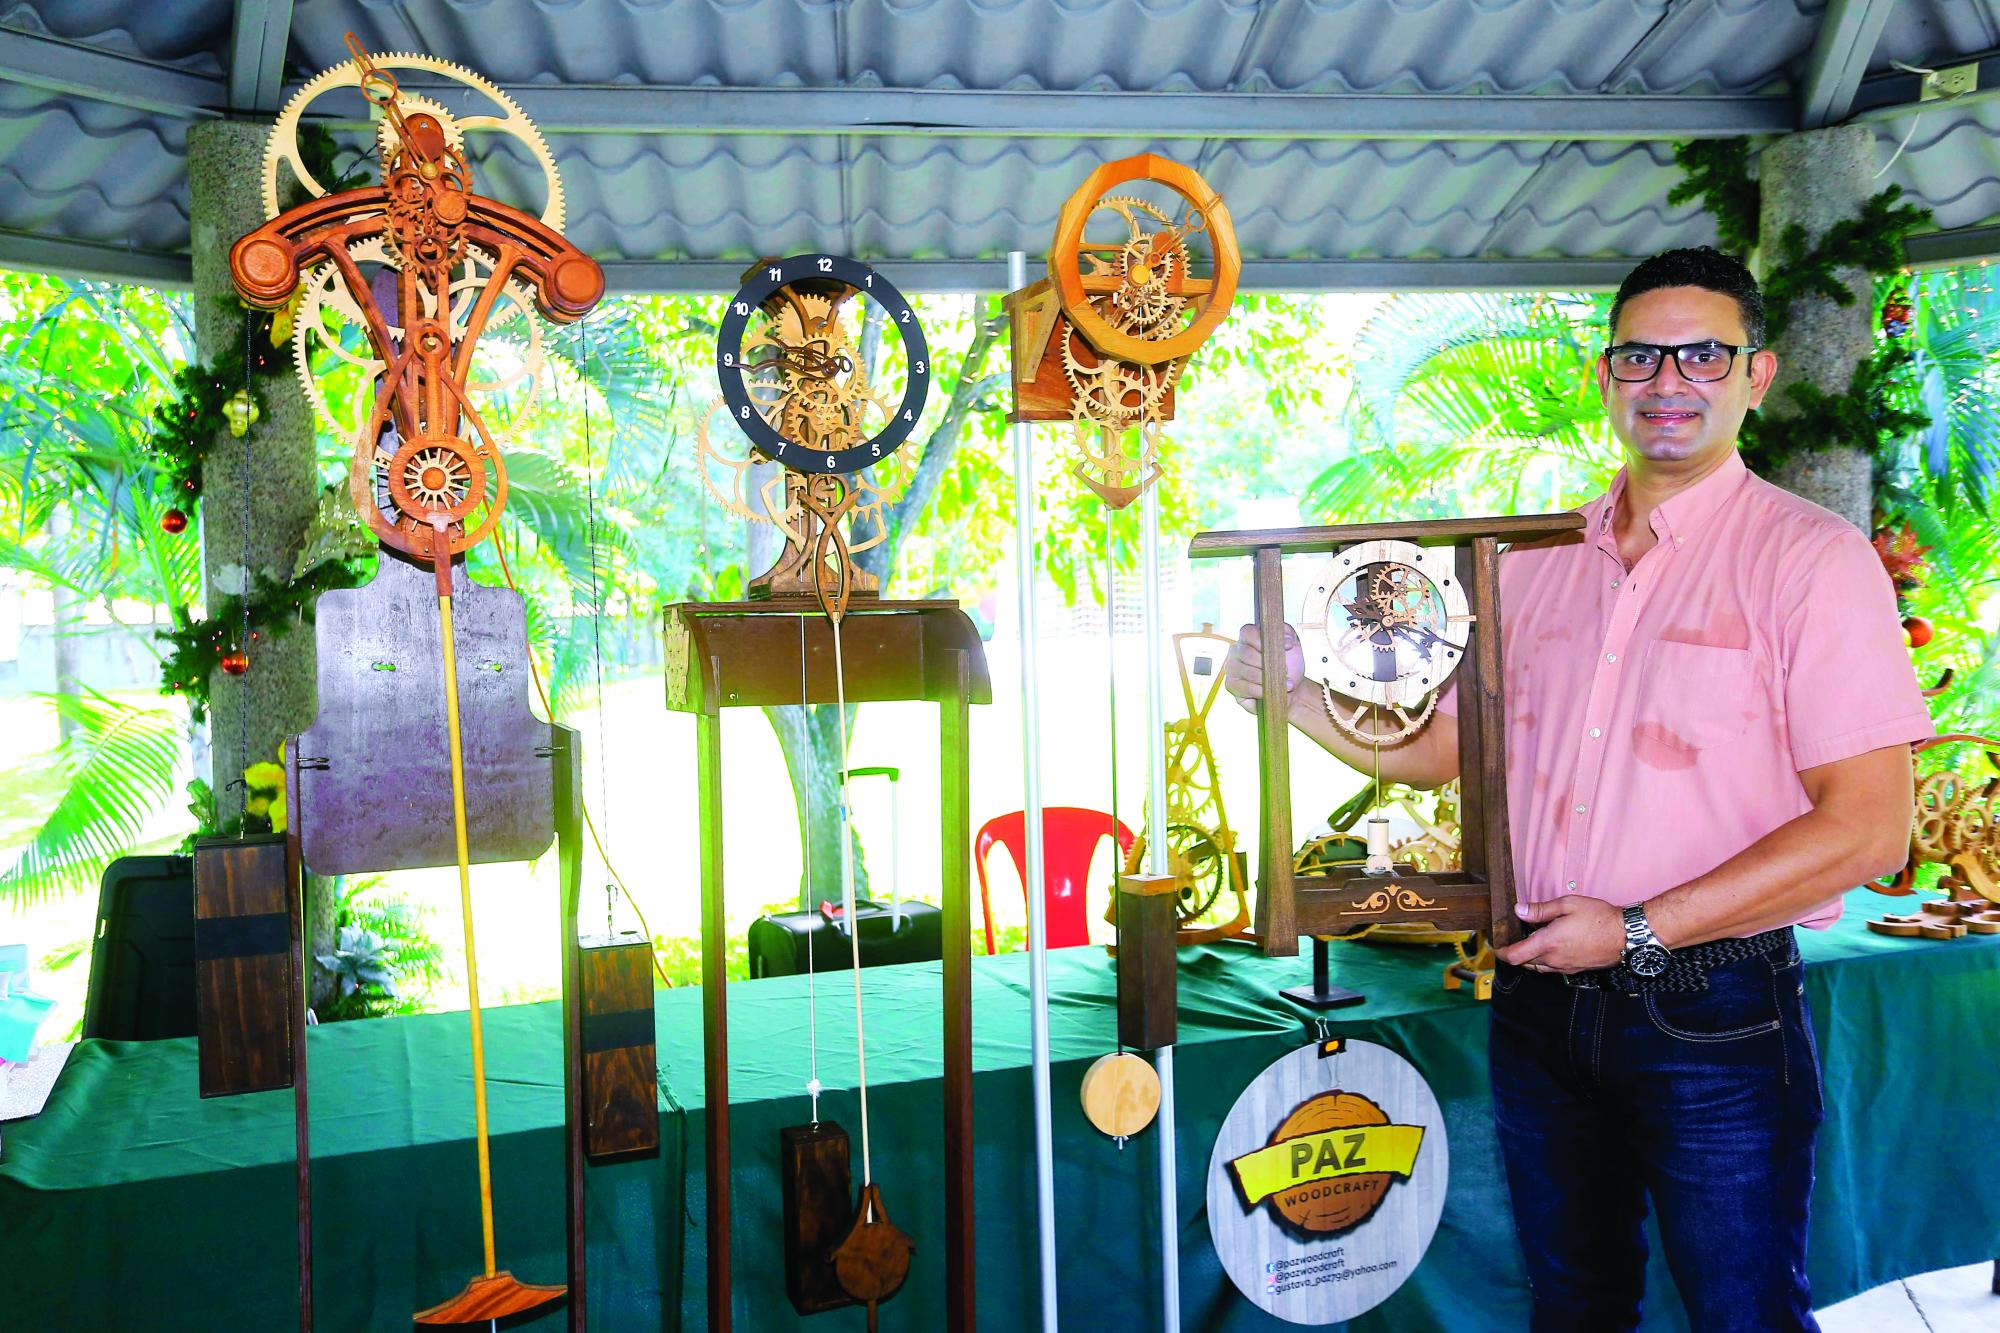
[873, 1259]
[488, 1299]
[620, 1064]
[818, 1213]
[247, 985]
[1148, 997]
[1121, 1094]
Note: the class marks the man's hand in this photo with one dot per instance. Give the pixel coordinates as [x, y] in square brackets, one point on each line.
[1577, 934]
[1243, 669]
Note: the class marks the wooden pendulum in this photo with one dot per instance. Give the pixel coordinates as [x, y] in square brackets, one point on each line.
[620, 1055]
[873, 1260]
[1121, 1091]
[247, 985]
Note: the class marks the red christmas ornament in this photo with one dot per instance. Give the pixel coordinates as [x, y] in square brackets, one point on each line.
[1917, 630]
[173, 522]
[1896, 313]
[236, 662]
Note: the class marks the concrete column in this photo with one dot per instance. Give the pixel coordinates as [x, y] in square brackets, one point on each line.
[1815, 179]
[258, 493]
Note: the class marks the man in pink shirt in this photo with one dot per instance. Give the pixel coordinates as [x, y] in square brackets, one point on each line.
[1709, 715]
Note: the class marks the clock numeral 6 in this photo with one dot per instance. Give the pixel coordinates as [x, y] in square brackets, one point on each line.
[829, 462]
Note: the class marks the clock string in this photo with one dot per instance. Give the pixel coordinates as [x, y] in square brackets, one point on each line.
[1111, 690]
[813, 1084]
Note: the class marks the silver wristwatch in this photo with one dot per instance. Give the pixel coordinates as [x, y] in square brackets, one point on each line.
[1644, 955]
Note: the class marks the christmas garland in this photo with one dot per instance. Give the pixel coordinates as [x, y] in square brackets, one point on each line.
[1866, 414]
[199, 649]
[225, 393]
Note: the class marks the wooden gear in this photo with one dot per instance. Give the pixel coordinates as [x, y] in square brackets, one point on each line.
[1955, 824]
[1102, 341]
[1481, 895]
[1201, 846]
[380, 756]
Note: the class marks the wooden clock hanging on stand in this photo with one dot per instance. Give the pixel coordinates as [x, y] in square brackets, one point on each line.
[803, 353]
[410, 762]
[1396, 612]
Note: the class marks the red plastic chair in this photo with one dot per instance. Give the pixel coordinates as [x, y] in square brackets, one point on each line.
[1070, 835]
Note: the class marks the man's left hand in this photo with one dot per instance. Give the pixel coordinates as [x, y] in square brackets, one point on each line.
[1577, 934]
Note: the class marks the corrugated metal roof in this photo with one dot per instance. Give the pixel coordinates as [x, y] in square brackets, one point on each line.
[86, 170]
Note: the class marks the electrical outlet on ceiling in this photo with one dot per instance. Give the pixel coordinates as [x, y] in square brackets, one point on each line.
[1956, 81]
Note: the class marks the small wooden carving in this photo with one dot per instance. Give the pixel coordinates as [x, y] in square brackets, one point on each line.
[873, 1260]
[247, 985]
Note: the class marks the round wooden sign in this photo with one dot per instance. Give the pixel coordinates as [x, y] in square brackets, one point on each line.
[1327, 1181]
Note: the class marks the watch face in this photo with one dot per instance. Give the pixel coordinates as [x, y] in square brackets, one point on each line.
[1646, 960]
[790, 359]
[1386, 622]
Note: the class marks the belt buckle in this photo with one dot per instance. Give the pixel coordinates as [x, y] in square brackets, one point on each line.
[1583, 980]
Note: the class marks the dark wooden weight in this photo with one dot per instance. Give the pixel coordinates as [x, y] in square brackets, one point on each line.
[247, 994]
[620, 1057]
[1148, 994]
[819, 1208]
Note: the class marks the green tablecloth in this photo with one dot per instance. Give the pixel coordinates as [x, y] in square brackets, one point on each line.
[131, 1203]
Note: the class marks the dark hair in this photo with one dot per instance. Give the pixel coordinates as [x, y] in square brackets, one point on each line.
[1701, 266]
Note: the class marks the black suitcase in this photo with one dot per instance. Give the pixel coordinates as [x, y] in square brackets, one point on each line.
[906, 932]
[142, 969]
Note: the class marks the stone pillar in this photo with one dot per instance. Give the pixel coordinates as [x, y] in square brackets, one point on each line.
[258, 493]
[1815, 179]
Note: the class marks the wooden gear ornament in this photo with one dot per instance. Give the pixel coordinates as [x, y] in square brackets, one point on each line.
[1102, 341]
[419, 268]
[1393, 615]
[801, 371]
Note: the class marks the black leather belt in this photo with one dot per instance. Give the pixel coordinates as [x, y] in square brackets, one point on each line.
[1687, 969]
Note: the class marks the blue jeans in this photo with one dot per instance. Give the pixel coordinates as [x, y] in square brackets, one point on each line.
[1707, 1102]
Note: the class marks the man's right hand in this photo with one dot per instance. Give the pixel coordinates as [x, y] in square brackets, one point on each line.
[1243, 669]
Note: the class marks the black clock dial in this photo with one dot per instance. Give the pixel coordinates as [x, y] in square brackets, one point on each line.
[794, 382]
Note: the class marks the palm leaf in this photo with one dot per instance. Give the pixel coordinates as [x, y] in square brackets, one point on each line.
[122, 764]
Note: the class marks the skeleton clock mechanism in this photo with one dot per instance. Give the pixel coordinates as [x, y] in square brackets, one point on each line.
[1394, 614]
[421, 299]
[1142, 270]
[824, 370]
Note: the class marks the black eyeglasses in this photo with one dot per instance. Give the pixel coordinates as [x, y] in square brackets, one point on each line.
[1699, 363]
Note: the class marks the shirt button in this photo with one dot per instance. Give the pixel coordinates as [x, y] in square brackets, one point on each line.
[1611, 657]
[1581, 808]
[1677, 541]
[1572, 884]
[1614, 583]
[1595, 732]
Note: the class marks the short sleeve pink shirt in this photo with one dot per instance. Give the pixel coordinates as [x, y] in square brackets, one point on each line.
[1658, 719]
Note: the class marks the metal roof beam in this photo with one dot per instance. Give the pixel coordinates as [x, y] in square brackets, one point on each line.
[634, 109]
[93, 259]
[259, 34]
[1901, 93]
[1847, 36]
[66, 67]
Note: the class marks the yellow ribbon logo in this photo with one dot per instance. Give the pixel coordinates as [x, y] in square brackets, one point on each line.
[1349, 1151]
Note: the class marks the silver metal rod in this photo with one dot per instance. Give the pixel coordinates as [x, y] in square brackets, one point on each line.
[1031, 813]
[1156, 863]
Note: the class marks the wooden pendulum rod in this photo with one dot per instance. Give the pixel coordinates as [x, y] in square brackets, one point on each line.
[495, 1294]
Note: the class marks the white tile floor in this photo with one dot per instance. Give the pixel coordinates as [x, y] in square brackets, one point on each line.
[1952, 1300]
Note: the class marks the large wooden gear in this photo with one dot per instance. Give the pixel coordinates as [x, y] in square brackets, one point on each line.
[1382, 629]
[1956, 825]
[422, 267]
[1103, 340]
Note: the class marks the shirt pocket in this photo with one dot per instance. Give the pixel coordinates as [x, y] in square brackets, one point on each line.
[1694, 696]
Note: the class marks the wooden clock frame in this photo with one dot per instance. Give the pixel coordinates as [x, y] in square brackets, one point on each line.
[1481, 895]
